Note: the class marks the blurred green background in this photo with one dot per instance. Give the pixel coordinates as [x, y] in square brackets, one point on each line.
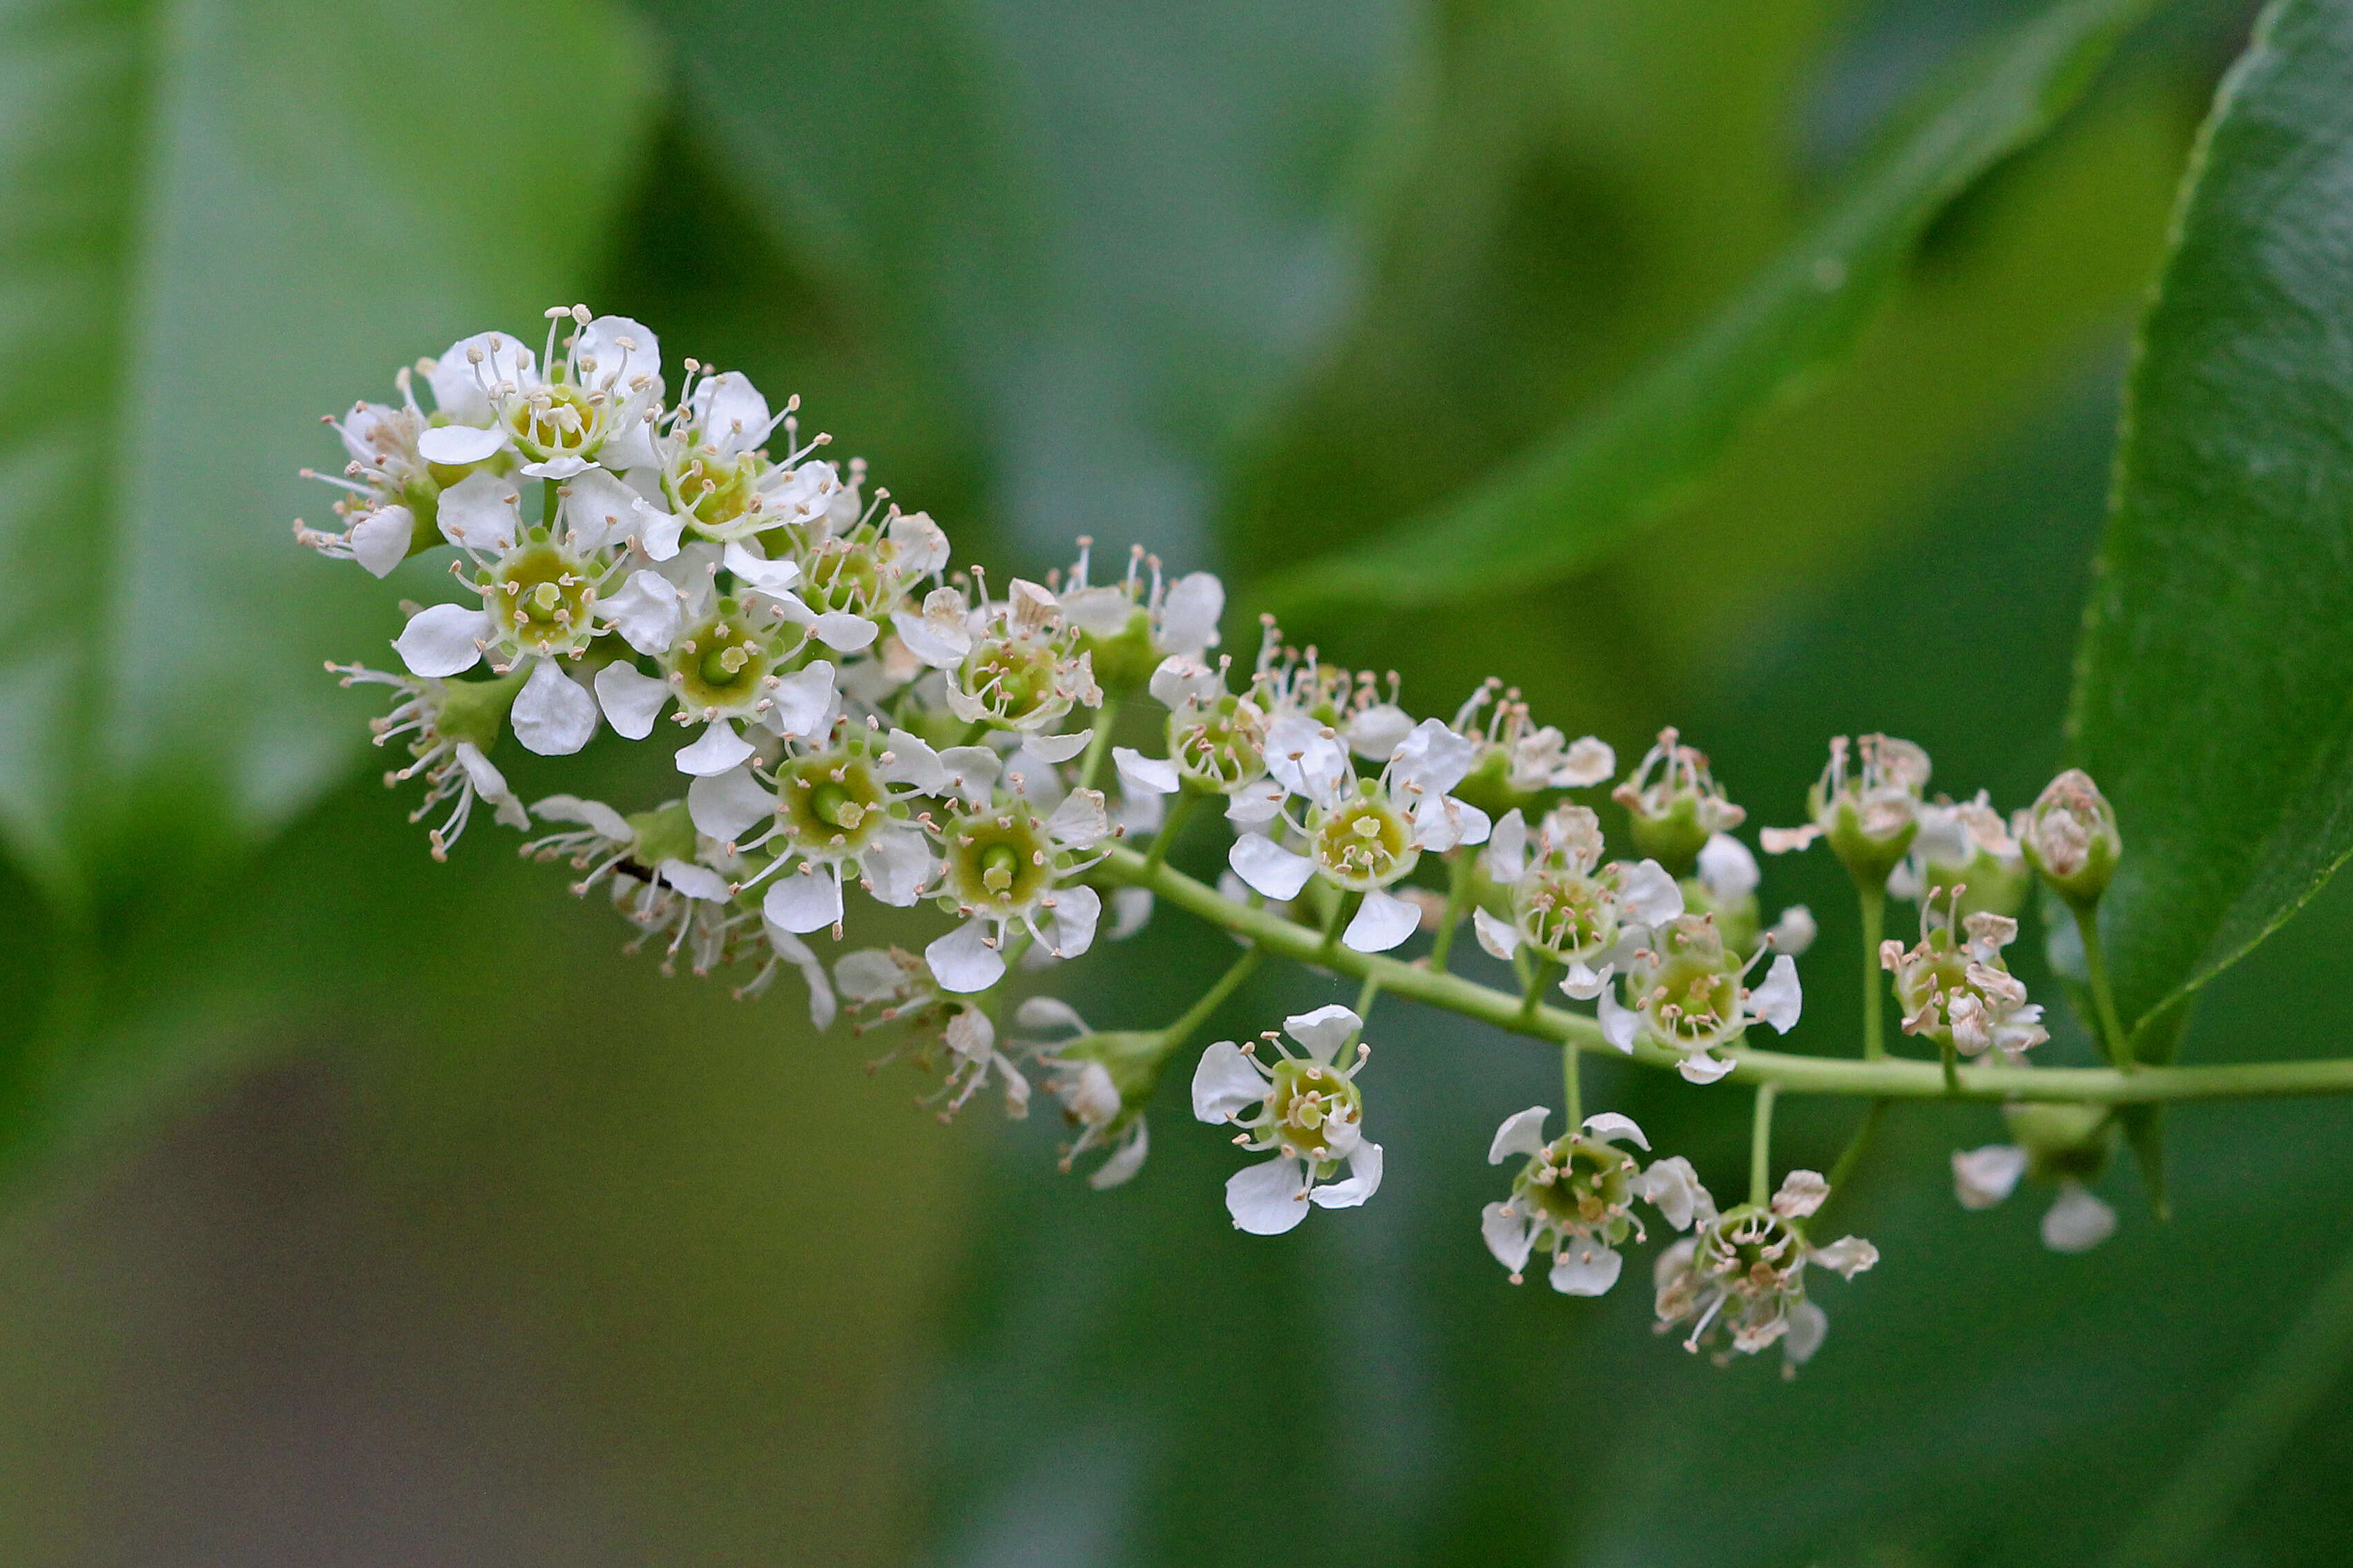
[360, 1211]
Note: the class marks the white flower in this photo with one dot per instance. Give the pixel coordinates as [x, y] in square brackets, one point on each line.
[595, 405]
[1179, 615]
[1589, 917]
[1957, 992]
[1674, 802]
[1089, 1094]
[1526, 759]
[1743, 1272]
[1573, 1196]
[1688, 993]
[1305, 1109]
[2077, 1220]
[1363, 835]
[1005, 864]
[1869, 814]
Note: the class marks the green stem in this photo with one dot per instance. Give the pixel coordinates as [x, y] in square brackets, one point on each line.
[1171, 824]
[1198, 1013]
[1875, 989]
[2119, 1046]
[2196, 1507]
[1329, 949]
[1458, 900]
[1099, 746]
[1849, 1159]
[1760, 1146]
[1370, 989]
[1572, 1086]
[1539, 971]
[1952, 1064]
[551, 503]
[1891, 1077]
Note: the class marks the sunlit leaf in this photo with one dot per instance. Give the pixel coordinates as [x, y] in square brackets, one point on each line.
[2213, 702]
[1577, 494]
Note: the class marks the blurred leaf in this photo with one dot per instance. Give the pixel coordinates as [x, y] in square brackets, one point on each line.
[1114, 227]
[2212, 703]
[216, 222]
[1579, 493]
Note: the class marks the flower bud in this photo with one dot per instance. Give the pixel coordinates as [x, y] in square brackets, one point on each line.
[2070, 836]
[1675, 806]
[2063, 1141]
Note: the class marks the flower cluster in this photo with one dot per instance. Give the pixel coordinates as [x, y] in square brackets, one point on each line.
[857, 727]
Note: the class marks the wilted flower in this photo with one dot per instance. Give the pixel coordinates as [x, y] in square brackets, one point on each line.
[1957, 992]
[1674, 803]
[1869, 814]
[1742, 1273]
[2067, 1146]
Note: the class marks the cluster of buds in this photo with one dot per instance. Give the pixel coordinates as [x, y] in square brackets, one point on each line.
[851, 717]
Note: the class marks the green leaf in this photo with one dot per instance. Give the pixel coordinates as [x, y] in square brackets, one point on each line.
[2214, 701]
[1114, 230]
[218, 222]
[1579, 493]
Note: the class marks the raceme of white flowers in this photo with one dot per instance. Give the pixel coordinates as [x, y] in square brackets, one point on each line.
[850, 718]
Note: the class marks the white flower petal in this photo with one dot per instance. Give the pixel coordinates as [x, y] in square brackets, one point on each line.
[1433, 758]
[1984, 1177]
[1125, 1161]
[1268, 868]
[941, 647]
[716, 749]
[1778, 1001]
[898, 865]
[845, 633]
[1079, 821]
[1507, 848]
[1141, 775]
[551, 714]
[631, 699]
[1323, 1032]
[1375, 733]
[804, 700]
[1363, 1180]
[1189, 613]
[1267, 1198]
[729, 413]
[627, 355]
[1521, 1133]
[380, 541]
[1702, 1067]
[1672, 1187]
[478, 514]
[462, 384]
[1075, 912]
[645, 612]
[1130, 911]
[971, 770]
[456, 445]
[1801, 1192]
[1649, 896]
[1255, 804]
[1794, 933]
[492, 786]
[2078, 1221]
[1609, 1124]
[1728, 867]
[768, 577]
[1585, 1268]
[1618, 1023]
[1809, 1325]
[444, 640]
[596, 509]
[1056, 748]
[695, 881]
[1847, 1257]
[658, 531]
[964, 961]
[1589, 761]
[804, 900]
[1381, 922]
[795, 951]
[1500, 939]
[1225, 1083]
[593, 814]
[912, 760]
[725, 805]
[1508, 1236]
[1050, 1013]
[1583, 982]
[1180, 678]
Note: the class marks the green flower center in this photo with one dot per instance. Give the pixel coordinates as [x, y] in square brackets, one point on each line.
[1309, 1100]
[1364, 843]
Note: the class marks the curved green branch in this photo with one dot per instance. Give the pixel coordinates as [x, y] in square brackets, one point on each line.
[1889, 1078]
